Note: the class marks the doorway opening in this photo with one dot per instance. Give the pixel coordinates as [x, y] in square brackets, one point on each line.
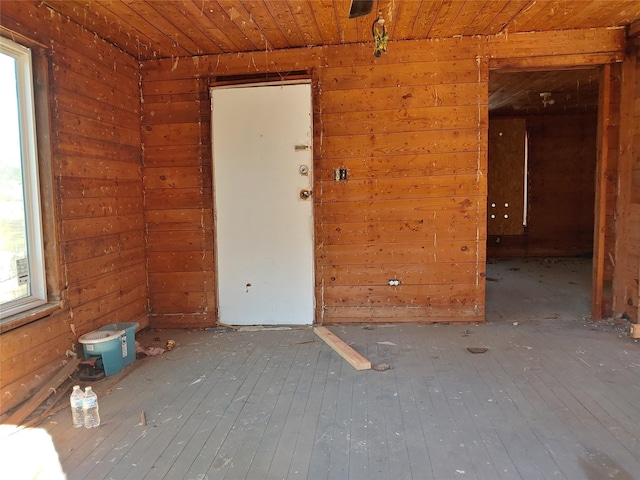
[543, 155]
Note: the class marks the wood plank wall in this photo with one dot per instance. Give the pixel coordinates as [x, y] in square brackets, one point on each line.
[626, 283]
[176, 137]
[562, 165]
[97, 194]
[409, 126]
[412, 136]
[414, 201]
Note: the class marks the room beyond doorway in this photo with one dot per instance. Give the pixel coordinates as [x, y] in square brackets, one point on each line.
[538, 288]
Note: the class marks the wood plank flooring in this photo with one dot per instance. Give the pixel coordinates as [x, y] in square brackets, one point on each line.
[552, 398]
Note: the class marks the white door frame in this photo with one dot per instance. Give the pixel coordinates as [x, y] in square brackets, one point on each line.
[234, 296]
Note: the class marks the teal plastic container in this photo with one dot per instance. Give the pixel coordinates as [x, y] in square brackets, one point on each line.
[106, 344]
[129, 343]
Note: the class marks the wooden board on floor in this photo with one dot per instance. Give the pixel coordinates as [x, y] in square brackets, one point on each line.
[41, 395]
[354, 359]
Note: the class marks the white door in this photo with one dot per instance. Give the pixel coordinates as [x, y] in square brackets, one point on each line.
[262, 161]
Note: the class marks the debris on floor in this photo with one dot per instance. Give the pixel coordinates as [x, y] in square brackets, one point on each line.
[225, 325]
[262, 328]
[381, 367]
[477, 349]
[220, 329]
[149, 351]
[386, 342]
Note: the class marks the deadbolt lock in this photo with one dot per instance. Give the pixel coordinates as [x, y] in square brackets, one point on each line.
[304, 194]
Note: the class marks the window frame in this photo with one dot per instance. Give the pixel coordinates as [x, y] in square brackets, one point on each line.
[31, 183]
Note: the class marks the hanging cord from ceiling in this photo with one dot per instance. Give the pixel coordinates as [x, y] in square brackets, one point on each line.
[380, 35]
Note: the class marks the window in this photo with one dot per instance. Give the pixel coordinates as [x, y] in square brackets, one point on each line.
[22, 274]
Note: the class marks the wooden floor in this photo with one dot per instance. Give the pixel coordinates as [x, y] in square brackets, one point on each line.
[551, 398]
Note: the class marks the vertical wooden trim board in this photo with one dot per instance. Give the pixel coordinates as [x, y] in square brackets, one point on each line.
[601, 186]
[625, 286]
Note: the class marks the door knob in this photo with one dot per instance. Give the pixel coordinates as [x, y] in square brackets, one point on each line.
[304, 194]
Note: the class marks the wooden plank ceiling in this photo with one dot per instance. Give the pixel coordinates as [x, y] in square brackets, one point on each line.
[549, 92]
[149, 29]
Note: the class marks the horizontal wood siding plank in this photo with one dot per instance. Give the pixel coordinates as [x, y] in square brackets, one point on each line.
[89, 288]
[31, 336]
[105, 264]
[125, 306]
[184, 320]
[165, 70]
[179, 219]
[27, 362]
[382, 99]
[179, 261]
[74, 229]
[182, 241]
[399, 188]
[88, 167]
[89, 207]
[71, 101]
[78, 126]
[172, 113]
[87, 248]
[389, 253]
[405, 231]
[169, 282]
[403, 295]
[69, 144]
[420, 314]
[99, 188]
[410, 274]
[397, 210]
[176, 178]
[178, 302]
[175, 134]
[175, 155]
[406, 52]
[172, 198]
[402, 143]
[558, 43]
[70, 60]
[397, 75]
[401, 120]
[101, 92]
[420, 165]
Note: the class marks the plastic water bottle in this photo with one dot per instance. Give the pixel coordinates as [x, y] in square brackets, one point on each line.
[90, 407]
[76, 401]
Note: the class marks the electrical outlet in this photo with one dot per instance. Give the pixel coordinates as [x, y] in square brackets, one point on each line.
[340, 174]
